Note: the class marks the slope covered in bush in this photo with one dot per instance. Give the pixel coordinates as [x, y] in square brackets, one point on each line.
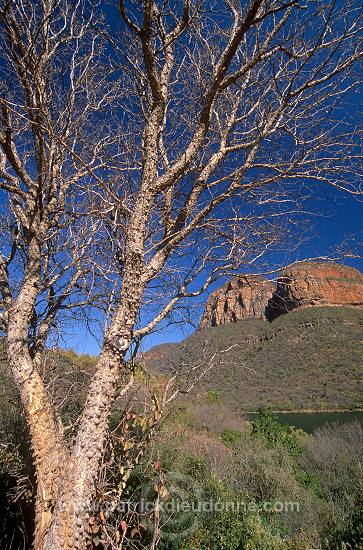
[307, 359]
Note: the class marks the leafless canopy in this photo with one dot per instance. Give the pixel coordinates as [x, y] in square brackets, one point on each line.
[239, 108]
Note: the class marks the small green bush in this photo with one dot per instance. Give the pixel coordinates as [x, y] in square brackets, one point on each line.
[229, 436]
[213, 396]
[270, 430]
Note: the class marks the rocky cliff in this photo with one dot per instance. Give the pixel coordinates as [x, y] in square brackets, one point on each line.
[302, 285]
[243, 296]
[316, 284]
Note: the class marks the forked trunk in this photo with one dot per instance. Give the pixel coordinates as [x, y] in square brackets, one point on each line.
[70, 518]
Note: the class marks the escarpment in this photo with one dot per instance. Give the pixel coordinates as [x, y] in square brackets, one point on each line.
[242, 297]
[306, 284]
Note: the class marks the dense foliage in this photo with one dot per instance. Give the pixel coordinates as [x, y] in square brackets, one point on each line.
[273, 487]
[239, 486]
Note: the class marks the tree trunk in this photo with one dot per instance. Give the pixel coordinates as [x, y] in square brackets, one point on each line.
[69, 526]
[70, 521]
[49, 450]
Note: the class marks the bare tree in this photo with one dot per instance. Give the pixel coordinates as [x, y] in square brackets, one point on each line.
[151, 156]
[51, 92]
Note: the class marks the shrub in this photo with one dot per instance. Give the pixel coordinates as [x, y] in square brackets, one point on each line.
[213, 396]
[272, 432]
[16, 506]
[229, 436]
[334, 456]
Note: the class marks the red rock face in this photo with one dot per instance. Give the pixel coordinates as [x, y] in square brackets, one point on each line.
[243, 296]
[303, 285]
[316, 284]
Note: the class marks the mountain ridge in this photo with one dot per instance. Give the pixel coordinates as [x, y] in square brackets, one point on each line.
[305, 284]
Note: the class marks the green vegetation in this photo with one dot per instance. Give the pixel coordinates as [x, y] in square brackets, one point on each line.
[230, 436]
[206, 453]
[272, 488]
[213, 396]
[266, 427]
[308, 359]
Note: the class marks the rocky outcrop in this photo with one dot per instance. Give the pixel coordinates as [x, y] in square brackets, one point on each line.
[316, 284]
[303, 285]
[243, 296]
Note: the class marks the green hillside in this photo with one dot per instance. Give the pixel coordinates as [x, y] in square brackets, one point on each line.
[309, 359]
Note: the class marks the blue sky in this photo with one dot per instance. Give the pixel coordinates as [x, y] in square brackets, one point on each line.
[341, 221]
